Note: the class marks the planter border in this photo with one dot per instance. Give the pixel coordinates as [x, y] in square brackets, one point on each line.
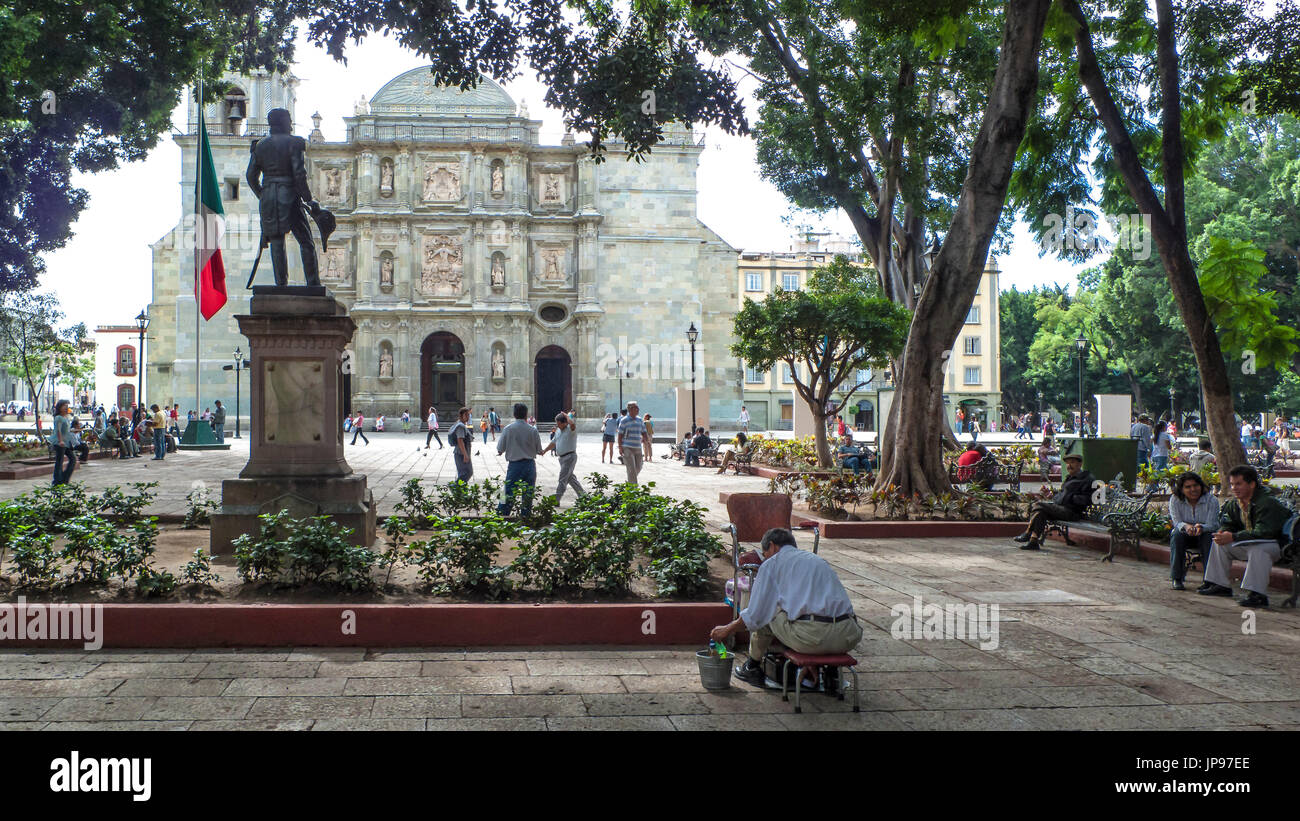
[395, 625]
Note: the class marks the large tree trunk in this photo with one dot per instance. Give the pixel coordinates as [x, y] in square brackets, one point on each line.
[914, 462]
[1167, 223]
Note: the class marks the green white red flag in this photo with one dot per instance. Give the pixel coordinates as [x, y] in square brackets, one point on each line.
[209, 227]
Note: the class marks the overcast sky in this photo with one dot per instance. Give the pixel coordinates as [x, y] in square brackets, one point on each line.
[103, 275]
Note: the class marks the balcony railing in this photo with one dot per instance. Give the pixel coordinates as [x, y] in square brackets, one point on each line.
[127, 369]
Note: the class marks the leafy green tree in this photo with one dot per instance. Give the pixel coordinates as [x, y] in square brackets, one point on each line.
[824, 334]
[32, 345]
[1019, 325]
[84, 86]
[1154, 132]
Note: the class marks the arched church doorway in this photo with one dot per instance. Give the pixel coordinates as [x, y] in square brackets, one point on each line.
[442, 375]
[552, 383]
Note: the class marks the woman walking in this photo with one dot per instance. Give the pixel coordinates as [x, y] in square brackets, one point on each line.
[433, 429]
[358, 428]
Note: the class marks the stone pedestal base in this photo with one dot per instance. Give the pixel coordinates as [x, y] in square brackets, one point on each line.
[345, 499]
[296, 338]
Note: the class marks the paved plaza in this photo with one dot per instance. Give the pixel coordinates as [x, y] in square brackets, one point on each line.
[1081, 645]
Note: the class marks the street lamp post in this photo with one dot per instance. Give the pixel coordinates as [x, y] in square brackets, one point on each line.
[239, 365]
[1171, 405]
[1040, 408]
[692, 336]
[623, 372]
[1082, 345]
[141, 322]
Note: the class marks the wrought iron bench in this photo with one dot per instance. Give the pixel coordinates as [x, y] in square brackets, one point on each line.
[985, 472]
[1119, 516]
[1290, 558]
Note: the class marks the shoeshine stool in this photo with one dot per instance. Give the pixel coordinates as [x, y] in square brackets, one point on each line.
[803, 661]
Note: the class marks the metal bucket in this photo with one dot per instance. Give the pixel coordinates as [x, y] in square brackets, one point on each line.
[715, 673]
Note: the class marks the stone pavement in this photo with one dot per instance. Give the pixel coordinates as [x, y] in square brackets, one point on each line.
[388, 462]
[1117, 650]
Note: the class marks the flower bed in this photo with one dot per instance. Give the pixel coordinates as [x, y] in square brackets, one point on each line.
[853, 498]
[618, 543]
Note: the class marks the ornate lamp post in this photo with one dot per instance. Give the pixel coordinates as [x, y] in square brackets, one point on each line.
[1081, 344]
[240, 364]
[623, 372]
[693, 336]
[141, 322]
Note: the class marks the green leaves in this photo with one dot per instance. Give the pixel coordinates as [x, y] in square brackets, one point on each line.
[1246, 316]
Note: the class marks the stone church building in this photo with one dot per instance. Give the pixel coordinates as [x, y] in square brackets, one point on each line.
[481, 266]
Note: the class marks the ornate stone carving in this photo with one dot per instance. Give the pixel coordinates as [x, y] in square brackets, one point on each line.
[498, 365]
[385, 362]
[554, 266]
[333, 182]
[552, 188]
[386, 178]
[498, 270]
[498, 178]
[442, 269]
[441, 182]
[336, 267]
[385, 271]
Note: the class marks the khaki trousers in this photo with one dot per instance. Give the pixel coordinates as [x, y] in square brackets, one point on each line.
[1259, 556]
[805, 636]
[632, 460]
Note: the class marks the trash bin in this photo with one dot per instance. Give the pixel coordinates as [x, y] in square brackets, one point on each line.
[1106, 457]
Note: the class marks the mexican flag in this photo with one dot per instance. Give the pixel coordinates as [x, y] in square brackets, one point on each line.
[209, 226]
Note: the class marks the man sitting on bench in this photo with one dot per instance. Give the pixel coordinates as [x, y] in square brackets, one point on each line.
[1066, 506]
[797, 600]
[1250, 528]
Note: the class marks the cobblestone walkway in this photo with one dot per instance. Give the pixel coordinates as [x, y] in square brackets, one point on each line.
[1125, 653]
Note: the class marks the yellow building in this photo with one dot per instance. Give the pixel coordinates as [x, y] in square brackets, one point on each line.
[973, 381]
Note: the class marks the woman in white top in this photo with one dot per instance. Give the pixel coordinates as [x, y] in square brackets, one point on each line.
[433, 430]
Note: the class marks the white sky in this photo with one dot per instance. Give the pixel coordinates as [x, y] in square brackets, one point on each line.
[135, 205]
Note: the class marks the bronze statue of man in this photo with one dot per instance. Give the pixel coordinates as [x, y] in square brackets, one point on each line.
[277, 175]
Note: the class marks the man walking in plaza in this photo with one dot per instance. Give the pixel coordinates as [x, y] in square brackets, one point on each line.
[219, 422]
[1251, 525]
[521, 444]
[631, 430]
[1141, 431]
[460, 436]
[159, 433]
[743, 420]
[564, 441]
[797, 600]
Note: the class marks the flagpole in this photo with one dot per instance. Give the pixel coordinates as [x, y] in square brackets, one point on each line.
[200, 241]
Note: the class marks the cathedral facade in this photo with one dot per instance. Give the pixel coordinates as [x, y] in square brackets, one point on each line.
[482, 267]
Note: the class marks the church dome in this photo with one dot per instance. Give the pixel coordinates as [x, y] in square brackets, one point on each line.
[414, 93]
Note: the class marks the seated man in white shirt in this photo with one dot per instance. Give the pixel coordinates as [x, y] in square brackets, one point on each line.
[797, 600]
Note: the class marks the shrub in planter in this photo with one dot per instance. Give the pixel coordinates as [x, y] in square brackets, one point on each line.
[199, 508]
[35, 559]
[295, 552]
[198, 570]
[127, 508]
[460, 555]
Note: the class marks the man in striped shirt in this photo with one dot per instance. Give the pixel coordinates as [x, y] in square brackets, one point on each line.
[631, 429]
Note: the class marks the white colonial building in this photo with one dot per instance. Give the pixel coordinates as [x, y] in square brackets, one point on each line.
[480, 266]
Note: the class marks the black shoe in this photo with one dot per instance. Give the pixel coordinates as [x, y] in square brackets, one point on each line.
[1253, 600]
[1031, 545]
[751, 673]
[1216, 590]
[1179, 586]
[1205, 587]
[1022, 538]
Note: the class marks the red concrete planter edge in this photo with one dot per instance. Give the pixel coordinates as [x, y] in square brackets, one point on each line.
[388, 625]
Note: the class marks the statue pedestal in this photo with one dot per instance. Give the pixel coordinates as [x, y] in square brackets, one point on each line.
[296, 337]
